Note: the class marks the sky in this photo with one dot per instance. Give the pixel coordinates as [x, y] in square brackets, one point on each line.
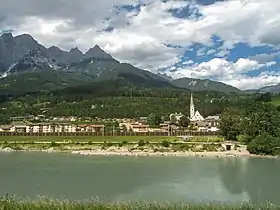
[232, 41]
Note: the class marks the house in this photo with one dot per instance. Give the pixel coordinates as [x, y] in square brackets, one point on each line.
[201, 126]
[5, 128]
[168, 126]
[69, 128]
[40, 128]
[213, 120]
[139, 128]
[90, 128]
[205, 127]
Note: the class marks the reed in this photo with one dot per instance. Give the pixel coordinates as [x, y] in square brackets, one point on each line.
[48, 204]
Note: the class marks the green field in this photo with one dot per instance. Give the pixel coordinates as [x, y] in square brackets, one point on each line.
[101, 139]
[87, 138]
[275, 101]
[207, 139]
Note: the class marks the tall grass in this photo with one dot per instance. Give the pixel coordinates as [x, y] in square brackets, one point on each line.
[7, 203]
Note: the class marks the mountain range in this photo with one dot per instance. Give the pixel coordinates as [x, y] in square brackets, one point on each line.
[27, 66]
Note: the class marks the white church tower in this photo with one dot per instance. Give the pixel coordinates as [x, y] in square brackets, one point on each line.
[192, 110]
[194, 115]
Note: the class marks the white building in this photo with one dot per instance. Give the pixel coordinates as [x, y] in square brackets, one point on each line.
[195, 116]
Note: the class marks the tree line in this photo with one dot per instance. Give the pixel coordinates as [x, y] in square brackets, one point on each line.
[258, 123]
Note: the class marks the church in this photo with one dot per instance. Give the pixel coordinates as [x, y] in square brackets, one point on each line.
[195, 116]
[209, 123]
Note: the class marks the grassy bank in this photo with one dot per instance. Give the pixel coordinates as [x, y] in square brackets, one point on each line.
[98, 139]
[10, 203]
[87, 138]
[115, 143]
[140, 146]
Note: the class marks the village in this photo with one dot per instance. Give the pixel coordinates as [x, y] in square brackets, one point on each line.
[197, 122]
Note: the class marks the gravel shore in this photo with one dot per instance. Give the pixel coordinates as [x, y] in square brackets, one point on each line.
[151, 153]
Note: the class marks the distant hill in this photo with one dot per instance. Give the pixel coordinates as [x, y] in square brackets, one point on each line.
[266, 89]
[204, 85]
[270, 89]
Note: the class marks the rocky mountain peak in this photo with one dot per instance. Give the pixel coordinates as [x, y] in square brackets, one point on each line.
[7, 36]
[54, 48]
[26, 38]
[97, 52]
[76, 51]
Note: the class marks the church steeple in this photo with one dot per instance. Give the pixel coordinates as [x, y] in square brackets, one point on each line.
[192, 110]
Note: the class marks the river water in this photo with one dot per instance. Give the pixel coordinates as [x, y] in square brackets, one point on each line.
[148, 179]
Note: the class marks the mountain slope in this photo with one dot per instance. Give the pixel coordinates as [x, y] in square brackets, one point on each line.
[36, 81]
[204, 85]
[270, 89]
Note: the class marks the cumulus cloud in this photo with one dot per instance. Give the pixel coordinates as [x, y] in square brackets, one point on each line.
[263, 79]
[265, 57]
[233, 73]
[145, 36]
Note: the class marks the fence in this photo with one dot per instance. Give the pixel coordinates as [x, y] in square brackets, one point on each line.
[190, 133]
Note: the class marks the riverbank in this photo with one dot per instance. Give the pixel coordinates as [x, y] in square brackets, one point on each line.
[124, 152]
[10, 203]
[134, 151]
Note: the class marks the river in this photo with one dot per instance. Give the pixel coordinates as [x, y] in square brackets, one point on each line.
[148, 179]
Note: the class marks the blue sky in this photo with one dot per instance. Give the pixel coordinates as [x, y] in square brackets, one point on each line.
[232, 41]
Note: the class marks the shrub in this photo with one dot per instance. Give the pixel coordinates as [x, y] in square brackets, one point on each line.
[165, 143]
[141, 148]
[54, 144]
[141, 143]
[109, 144]
[124, 142]
[210, 147]
[156, 149]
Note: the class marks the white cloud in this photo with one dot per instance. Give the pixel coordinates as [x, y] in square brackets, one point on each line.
[262, 80]
[188, 62]
[233, 73]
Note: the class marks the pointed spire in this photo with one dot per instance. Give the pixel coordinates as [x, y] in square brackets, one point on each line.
[192, 110]
[192, 100]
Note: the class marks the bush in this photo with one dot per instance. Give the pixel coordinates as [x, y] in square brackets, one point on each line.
[181, 147]
[141, 143]
[156, 150]
[165, 143]
[54, 144]
[264, 145]
[109, 144]
[211, 147]
[124, 142]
